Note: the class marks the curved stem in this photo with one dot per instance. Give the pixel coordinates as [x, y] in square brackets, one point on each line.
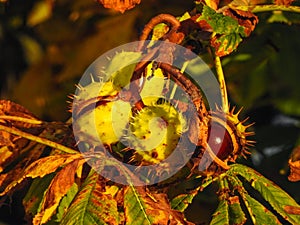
[263, 8]
[266, 8]
[221, 79]
[186, 84]
[167, 18]
[21, 119]
[37, 139]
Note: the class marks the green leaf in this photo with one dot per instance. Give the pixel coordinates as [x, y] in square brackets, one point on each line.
[255, 86]
[92, 206]
[227, 33]
[258, 213]
[121, 68]
[226, 43]
[278, 199]
[279, 17]
[57, 189]
[221, 215]
[143, 207]
[182, 201]
[66, 201]
[43, 167]
[135, 208]
[35, 194]
[236, 214]
[229, 210]
[221, 24]
[261, 214]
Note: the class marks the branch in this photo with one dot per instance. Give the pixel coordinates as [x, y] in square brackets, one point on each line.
[37, 139]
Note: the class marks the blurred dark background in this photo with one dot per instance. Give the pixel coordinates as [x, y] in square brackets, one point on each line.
[46, 45]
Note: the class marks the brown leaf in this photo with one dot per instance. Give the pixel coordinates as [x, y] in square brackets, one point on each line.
[13, 147]
[296, 154]
[294, 164]
[15, 159]
[284, 2]
[33, 152]
[212, 3]
[295, 171]
[58, 188]
[42, 167]
[119, 5]
[158, 207]
[245, 18]
[9, 108]
[292, 210]
[233, 200]
[222, 48]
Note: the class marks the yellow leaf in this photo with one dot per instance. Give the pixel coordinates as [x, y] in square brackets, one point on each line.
[119, 5]
[59, 187]
[41, 11]
[42, 167]
[295, 170]
[5, 154]
[294, 164]
[141, 207]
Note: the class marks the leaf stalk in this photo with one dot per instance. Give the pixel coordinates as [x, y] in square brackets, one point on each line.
[37, 139]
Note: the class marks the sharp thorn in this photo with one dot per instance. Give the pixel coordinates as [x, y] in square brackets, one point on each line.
[92, 78]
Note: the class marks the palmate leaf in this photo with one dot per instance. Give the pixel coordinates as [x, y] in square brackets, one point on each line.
[236, 214]
[120, 6]
[65, 202]
[42, 167]
[24, 151]
[92, 205]
[143, 208]
[18, 159]
[226, 44]
[229, 211]
[58, 188]
[221, 216]
[258, 213]
[35, 194]
[294, 164]
[227, 32]
[295, 170]
[261, 215]
[15, 151]
[182, 201]
[135, 208]
[219, 23]
[282, 202]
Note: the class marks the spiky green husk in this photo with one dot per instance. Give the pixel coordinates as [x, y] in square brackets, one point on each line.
[100, 123]
[121, 68]
[103, 119]
[154, 83]
[155, 131]
[92, 91]
[104, 124]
